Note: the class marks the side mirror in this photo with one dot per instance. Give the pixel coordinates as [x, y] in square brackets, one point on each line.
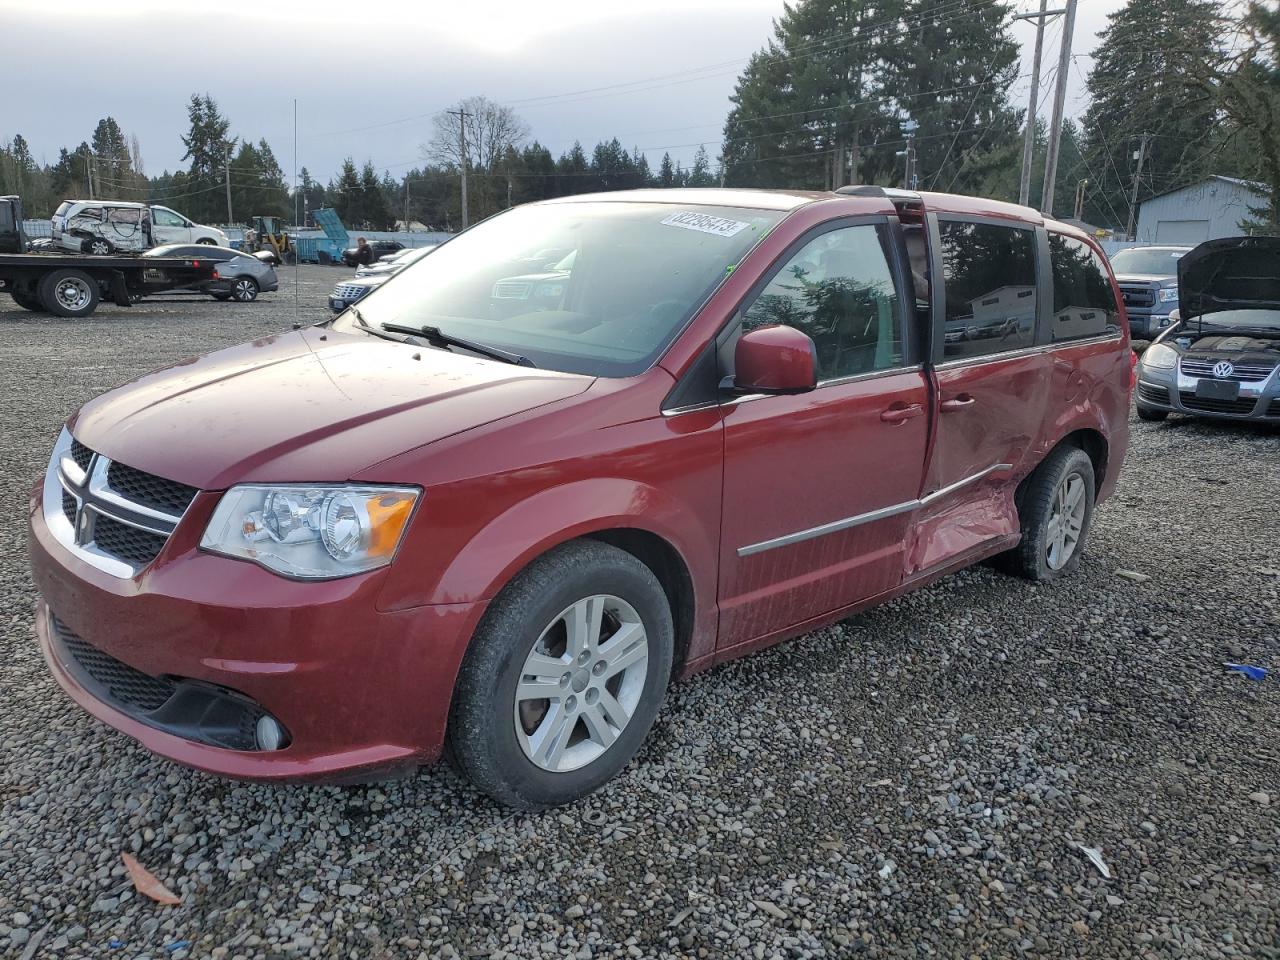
[775, 359]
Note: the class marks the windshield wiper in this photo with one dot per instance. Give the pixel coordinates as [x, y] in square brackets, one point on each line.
[437, 338]
[370, 328]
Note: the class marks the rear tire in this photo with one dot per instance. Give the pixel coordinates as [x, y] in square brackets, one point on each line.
[27, 301]
[583, 617]
[1152, 415]
[244, 289]
[97, 247]
[207, 241]
[69, 293]
[1056, 513]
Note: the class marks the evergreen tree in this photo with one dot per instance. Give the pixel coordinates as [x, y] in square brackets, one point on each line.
[1144, 80]
[700, 175]
[951, 75]
[667, 172]
[208, 147]
[345, 194]
[373, 204]
[571, 172]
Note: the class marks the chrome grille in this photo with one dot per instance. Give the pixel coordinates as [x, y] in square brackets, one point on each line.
[113, 516]
[512, 290]
[1135, 296]
[1241, 373]
[349, 291]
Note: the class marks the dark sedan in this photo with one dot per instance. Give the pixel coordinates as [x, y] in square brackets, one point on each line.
[351, 255]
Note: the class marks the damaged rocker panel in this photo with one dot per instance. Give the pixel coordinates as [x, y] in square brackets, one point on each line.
[883, 513]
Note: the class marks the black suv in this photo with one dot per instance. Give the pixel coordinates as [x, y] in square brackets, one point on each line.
[381, 248]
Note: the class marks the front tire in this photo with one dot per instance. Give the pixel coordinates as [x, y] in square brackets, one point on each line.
[1056, 512]
[207, 241]
[1151, 415]
[563, 678]
[69, 293]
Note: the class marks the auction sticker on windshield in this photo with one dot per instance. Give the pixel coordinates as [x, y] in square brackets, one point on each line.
[703, 223]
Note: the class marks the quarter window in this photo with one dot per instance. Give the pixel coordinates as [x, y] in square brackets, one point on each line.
[1084, 304]
[839, 290]
[990, 274]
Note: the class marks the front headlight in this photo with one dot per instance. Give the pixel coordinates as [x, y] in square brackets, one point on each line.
[1168, 294]
[1159, 357]
[311, 532]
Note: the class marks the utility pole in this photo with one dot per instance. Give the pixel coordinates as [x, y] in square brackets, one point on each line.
[88, 172]
[462, 150]
[1029, 138]
[1059, 102]
[909, 127]
[1081, 188]
[1140, 156]
[226, 169]
[406, 201]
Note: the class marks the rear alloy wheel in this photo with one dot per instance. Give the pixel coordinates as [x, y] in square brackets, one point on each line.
[563, 678]
[1056, 510]
[98, 247]
[69, 293]
[207, 241]
[244, 289]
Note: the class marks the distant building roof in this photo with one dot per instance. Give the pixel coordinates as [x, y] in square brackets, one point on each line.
[1252, 185]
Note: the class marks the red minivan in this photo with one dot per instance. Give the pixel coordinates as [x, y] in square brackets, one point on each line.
[586, 446]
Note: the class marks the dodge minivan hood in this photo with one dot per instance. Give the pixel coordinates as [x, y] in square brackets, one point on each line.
[308, 406]
[1233, 273]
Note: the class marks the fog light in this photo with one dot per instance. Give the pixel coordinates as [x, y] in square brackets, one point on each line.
[269, 734]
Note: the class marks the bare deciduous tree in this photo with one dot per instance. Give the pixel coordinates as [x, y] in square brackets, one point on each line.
[494, 132]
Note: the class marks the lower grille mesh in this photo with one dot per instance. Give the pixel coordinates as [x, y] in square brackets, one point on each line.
[125, 685]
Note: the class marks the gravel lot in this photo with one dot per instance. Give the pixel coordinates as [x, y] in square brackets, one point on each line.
[909, 783]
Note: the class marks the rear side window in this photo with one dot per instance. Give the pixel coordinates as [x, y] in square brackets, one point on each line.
[990, 274]
[1083, 302]
[839, 290]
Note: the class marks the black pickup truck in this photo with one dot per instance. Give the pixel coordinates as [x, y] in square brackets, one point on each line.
[68, 285]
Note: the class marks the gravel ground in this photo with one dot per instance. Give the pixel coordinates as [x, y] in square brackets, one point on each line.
[911, 782]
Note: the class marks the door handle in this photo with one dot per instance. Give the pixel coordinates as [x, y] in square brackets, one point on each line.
[962, 402]
[902, 414]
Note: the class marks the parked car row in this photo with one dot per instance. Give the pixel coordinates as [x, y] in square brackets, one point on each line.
[371, 276]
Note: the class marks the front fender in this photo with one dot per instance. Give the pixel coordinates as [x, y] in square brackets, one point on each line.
[479, 569]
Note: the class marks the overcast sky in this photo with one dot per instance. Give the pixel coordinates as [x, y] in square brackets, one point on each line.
[368, 76]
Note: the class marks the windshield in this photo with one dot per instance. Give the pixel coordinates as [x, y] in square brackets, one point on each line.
[1158, 263]
[1265, 322]
[599, 288]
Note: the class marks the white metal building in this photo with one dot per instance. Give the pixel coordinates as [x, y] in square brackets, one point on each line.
[1207, 210]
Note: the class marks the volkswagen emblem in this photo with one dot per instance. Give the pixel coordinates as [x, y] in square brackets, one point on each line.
[1223, 369]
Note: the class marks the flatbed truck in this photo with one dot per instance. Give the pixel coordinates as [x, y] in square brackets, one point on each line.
[70, 285]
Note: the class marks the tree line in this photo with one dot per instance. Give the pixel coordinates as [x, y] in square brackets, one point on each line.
[833, 97]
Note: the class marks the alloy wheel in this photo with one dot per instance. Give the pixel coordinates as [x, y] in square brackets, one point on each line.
[1066, 521]
[581, 683]
[245, 290]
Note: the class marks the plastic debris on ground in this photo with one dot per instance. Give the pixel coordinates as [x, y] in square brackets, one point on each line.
[1095, 857]
[177, 945]
[1133, 575]
[145, 882]
[1250, 671]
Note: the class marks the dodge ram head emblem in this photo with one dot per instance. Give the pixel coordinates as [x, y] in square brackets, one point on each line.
[1223, 369]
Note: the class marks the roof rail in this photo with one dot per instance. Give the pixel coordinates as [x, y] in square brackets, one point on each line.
[871, 190]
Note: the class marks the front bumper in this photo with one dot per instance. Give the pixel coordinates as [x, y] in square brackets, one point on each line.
[1146, 326]
[362, 693]
[1174, 392]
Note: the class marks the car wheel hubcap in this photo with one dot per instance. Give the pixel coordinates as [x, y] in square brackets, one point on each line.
[1066, 521]
[73, 294]
[581, 683]
[244, 291]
